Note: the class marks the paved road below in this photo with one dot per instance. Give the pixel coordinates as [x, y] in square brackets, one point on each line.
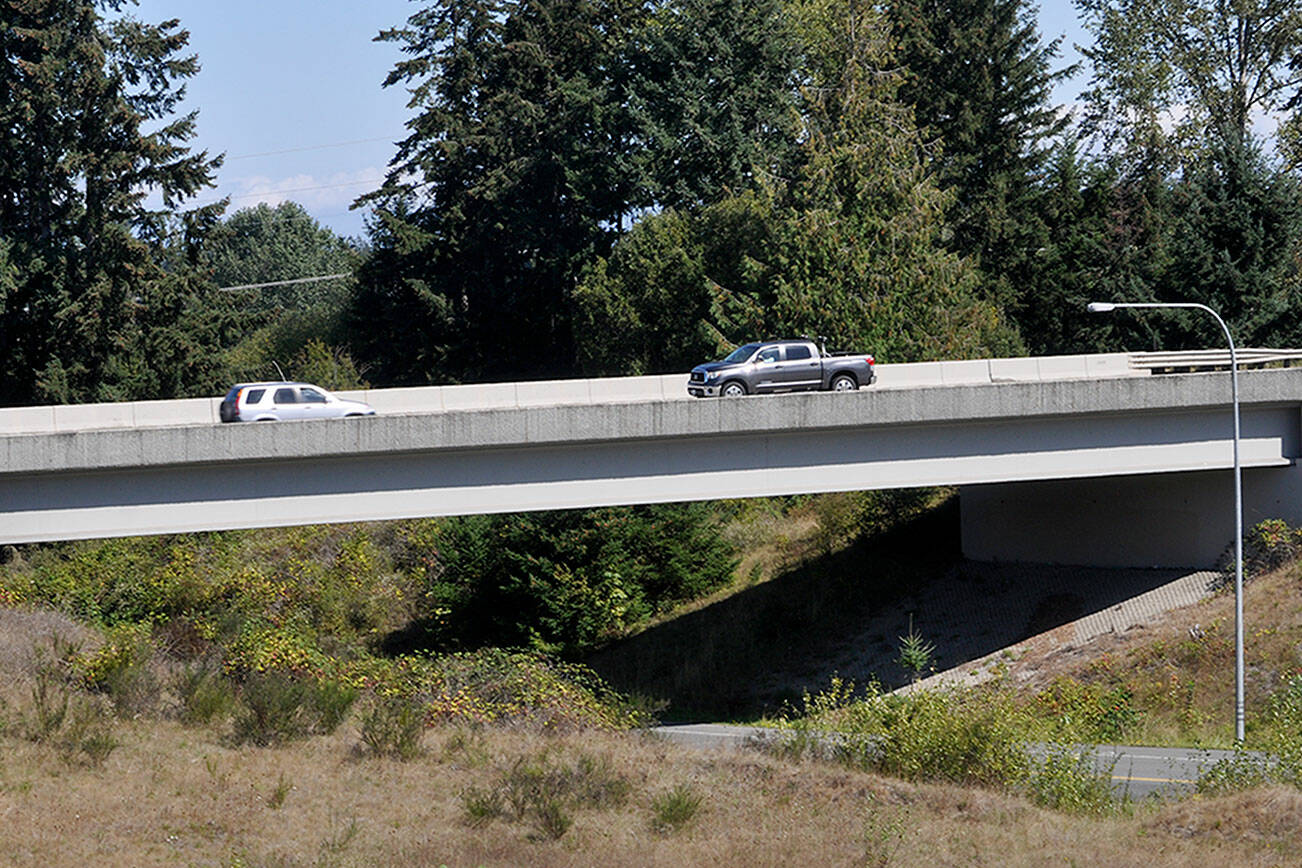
[1139, 771]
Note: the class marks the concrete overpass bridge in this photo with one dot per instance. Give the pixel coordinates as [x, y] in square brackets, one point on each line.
[1098, 459]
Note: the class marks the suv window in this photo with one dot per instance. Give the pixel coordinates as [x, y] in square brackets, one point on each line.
[312, 396]
[797, 351]
[286, 396]
[254, 396]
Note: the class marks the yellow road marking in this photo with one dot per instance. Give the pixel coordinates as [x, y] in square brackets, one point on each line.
[1153, 780]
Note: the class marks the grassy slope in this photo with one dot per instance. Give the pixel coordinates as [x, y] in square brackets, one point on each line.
[176, 795]
[171, 796]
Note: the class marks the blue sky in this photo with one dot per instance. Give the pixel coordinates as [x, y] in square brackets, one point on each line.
[290, 91]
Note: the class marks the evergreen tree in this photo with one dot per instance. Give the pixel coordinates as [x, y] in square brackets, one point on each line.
[715, 81]
[521, 163]
[849, 246]
[980, 82]
[544, 128]
[75, 170]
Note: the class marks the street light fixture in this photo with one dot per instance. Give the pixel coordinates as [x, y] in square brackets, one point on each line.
[1108, 307]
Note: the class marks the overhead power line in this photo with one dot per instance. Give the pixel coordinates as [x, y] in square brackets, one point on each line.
[283, 282]
[309, 148]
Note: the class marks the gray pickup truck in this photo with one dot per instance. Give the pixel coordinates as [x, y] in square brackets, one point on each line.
[781, 366]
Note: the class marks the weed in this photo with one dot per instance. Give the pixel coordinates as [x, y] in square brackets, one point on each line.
[392, 726]
[88, 736]
[49, 706]
[550, 817]
[120, 669]
[883, 837]
[277, 798]
[337, 841]
[481, 805]
[1238, 771]
[205, 693]
[544, 791]
[674, 809]
[331, 701]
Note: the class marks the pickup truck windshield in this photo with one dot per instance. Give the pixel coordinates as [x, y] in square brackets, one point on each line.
[742, 353]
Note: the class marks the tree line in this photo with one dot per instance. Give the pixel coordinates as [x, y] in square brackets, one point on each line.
[605, 187]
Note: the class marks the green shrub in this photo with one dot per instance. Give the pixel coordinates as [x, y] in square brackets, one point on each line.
[559, 581]
[543, 791]
[1065, 780]
[496, 686]
[1238, 771]
[331, 701]
[274, 709]
[205, 693]
[1094, 712]
[481, 806]
[88, 736]
[392, 726]
[674, 809]
[120, 668]
[936, 735]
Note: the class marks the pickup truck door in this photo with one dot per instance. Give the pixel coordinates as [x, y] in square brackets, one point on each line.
[800, 368]
[768, 369]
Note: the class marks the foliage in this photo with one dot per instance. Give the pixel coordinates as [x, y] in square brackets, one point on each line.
[915, 653]
[276, 707]
[77, 725]
[1269, 545]
[1065, 780]
[492, 686]
[970, 737]
[560, 580]
[675, 808]
[205, 694]
[87, 311]
[297, 325]
[979, 81]
[119, 668]
[392, 726]
[520, 161]
[847, 244]
[1200, 67]
[545, 791]
[1092, 712]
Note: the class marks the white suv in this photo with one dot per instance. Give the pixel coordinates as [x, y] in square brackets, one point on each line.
[269, 402]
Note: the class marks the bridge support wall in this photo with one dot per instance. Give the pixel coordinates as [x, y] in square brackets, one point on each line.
[1157, 520]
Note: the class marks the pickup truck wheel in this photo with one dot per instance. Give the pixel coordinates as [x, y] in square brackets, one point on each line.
[733, 389]
[844, 383]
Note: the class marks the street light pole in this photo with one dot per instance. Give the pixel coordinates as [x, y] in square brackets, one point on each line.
[1108, 307]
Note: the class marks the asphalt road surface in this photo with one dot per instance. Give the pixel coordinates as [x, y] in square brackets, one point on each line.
[1138, 771]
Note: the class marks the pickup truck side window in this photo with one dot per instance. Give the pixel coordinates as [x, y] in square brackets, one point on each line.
[768, 354]
[797, 352]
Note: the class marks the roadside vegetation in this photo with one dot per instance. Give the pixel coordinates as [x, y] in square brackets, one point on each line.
[238, 699]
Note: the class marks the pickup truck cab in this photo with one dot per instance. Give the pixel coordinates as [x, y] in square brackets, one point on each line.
[781, 366]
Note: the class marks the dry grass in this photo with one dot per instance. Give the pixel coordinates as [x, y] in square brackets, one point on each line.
[176, 796]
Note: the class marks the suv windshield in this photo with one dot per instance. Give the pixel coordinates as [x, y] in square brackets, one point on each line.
[742, 353]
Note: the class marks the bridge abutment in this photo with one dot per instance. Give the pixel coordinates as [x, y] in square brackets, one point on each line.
[1153, 520]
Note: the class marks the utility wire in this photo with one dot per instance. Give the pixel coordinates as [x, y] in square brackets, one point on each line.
[283, 282]
[309, 148]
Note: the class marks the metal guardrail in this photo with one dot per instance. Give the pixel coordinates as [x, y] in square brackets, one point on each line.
[1212, 360]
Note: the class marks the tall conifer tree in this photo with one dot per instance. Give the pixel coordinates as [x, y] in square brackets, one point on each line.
[75, 169]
